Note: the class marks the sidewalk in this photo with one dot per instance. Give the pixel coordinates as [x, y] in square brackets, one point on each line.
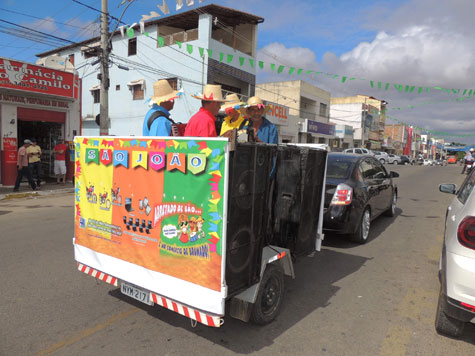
[47, 188]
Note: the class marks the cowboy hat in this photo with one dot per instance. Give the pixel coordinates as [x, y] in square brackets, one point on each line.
[255, 101]
[162, 91]
[234, 102]
[211, 93]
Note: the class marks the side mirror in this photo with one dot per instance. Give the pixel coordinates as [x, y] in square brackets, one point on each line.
[448, 188]
[393, 174]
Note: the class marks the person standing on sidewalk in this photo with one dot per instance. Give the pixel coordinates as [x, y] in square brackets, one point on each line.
[34, 161]
[22, 166]
[60, 161]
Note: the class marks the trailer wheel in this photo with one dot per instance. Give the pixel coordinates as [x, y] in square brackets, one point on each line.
[270, 295]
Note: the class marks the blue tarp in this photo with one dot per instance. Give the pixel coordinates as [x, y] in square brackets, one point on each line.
[460, 148]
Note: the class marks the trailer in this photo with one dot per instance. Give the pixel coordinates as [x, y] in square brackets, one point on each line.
[192, 224]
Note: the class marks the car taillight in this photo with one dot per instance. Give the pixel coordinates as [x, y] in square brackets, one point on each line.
[466, 232]
[343, 195]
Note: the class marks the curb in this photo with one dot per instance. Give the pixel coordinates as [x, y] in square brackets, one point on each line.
[31, 194]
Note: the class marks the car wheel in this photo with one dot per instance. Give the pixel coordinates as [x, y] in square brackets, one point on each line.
[382, 161]
[445, 324]
[392, 209]
[269, 297]
[362, 232]
[394, 162]
[406, 163]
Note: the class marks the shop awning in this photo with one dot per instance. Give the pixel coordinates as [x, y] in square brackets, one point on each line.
[140, 82]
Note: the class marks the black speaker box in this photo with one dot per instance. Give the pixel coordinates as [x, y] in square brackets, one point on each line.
[249, 171]
[297, 195]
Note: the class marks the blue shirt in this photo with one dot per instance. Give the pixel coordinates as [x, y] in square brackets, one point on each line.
[267, 132]
[161, 126]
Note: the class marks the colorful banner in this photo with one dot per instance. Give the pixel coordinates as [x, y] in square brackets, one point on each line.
[158, 205]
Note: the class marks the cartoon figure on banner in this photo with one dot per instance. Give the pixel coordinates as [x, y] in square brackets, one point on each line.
[199, 225]
[116, 198]
[183, 225]
[196, 226]
[104, 201]
[91, 196]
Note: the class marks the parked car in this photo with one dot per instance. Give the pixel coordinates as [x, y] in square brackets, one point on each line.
[358, 190]
[452, 159]
[456, 305]
[381, 156]
[360, 151]
[428, 162]
[406, 160]
[394, 159]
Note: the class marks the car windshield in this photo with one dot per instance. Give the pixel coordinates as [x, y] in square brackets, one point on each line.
[338, 169]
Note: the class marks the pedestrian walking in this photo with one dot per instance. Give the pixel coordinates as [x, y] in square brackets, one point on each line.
[203, 123]
[34, 161]
[60, 161]
[23, 168]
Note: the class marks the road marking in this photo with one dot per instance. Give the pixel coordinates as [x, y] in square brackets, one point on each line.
[396, 341]
[87, 332]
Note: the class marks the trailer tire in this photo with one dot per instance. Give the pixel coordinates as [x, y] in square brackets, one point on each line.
[270, 296]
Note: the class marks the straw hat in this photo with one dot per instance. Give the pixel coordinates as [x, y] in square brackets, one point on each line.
[211, 93]
[255, 101]
[162, 91]
[234, 102]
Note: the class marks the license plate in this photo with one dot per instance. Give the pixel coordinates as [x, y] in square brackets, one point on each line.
[136, 293]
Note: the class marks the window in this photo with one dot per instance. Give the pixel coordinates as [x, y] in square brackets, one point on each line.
[338, 169]
[71, 58]
[378, 170]
[357, 150]
[366, 169]
[173, 83]
[466, 188]
[323, 109]
[138, 88]
[132, 46]
[117, 87]
[229, 88]
[96, 93]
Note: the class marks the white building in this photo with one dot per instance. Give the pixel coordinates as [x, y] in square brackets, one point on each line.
[214, 29]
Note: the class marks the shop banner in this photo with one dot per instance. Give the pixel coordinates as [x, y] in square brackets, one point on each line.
[32, 78]
[317, 127]
[156, 203]
[10, 144]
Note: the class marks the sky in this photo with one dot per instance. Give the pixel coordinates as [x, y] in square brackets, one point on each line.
[421, 43]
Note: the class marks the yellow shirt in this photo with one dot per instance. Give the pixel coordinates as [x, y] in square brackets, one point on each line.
[228, 125]
[34, 153]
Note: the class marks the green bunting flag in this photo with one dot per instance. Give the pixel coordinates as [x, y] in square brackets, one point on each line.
[189, 48]
[229, 58]
[251, 62]
[261, 64]
[178, 43]
[130, 32]
[272, 66]
[202, 51]
[299, 71]
[241, 61]
[160, 41]
[221, 56]
[291, 70]
[210, 53]
[280, 70]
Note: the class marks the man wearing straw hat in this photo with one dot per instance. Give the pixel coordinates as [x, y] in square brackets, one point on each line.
[264, 130]
[202, 124]
[235, 118]
[157, 121]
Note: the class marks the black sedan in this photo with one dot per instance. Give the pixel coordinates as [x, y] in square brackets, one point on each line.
[358, 190]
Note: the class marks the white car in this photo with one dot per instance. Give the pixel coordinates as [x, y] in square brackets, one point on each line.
[381, 156]
[394, 159]
[360, 151]
[428, 162]
[456, 305]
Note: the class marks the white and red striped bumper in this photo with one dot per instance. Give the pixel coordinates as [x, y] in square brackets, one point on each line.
[203, 318]
[98, 274]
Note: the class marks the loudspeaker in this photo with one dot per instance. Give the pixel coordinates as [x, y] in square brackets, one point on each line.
[250, 174]
[297, 195]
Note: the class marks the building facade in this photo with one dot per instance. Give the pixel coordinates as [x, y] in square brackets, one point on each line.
[138, 60]
[41, 102]
[367, 116]
[307, 103]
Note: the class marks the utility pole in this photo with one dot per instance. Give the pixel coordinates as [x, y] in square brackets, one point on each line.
[104, 76]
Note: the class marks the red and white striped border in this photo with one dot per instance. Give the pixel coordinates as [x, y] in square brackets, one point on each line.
[276, 257]
[97, 274]
[209, 320]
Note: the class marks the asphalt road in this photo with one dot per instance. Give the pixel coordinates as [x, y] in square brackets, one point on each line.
[373, 299]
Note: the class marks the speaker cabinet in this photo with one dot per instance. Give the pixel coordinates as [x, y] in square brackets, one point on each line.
[297, 195]
[249, 172]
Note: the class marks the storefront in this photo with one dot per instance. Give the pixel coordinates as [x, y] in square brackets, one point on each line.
[344, 137]
[36, 102]
[317, 132]
[287, 125]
